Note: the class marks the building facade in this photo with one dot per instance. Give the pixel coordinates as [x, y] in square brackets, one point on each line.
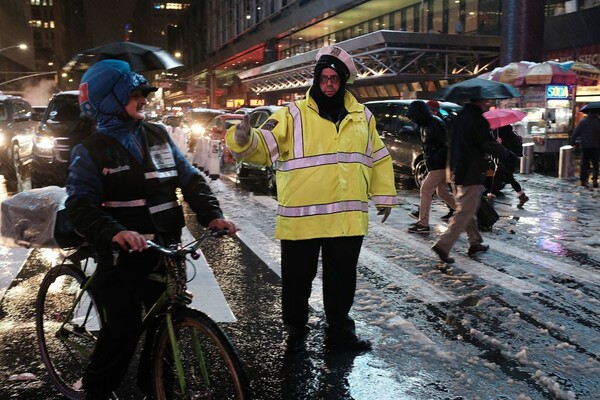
[257, 51]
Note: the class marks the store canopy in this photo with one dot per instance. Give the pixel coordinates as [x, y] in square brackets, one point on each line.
[387, 57]
[523, 73]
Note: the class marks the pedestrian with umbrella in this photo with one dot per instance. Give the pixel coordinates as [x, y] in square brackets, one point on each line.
[470, 141]
[588, 131]
[500, 121]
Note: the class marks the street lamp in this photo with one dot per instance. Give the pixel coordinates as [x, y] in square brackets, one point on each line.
[21, 46]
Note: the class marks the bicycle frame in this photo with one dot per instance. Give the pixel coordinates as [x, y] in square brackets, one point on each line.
[173, 298]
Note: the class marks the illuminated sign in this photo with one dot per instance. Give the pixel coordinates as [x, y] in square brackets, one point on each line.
[557, 92]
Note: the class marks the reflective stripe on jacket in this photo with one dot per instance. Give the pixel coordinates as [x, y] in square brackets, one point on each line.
[325, 174]
[149, 204]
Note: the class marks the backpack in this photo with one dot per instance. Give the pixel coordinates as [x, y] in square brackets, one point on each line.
[511, 140]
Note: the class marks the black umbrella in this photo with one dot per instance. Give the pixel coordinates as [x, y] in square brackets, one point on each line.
[477, 88]
[591, 106]
[140, 57]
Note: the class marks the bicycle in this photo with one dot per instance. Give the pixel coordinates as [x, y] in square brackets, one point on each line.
[192, 357]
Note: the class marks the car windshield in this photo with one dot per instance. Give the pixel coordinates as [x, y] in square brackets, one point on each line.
[63, 109]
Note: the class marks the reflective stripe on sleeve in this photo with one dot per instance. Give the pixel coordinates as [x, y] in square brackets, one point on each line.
[163, 207]
[380, 154]
[385, 200]
[271, 144]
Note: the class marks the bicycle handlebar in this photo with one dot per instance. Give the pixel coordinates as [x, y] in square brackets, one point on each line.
[189, 248]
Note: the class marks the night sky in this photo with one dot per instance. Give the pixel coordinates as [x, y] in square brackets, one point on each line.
[108, 19]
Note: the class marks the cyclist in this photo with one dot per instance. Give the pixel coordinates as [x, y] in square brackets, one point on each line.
[122, 190]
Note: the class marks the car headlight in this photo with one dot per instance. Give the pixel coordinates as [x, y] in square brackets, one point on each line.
[44, 142]
[198, 129]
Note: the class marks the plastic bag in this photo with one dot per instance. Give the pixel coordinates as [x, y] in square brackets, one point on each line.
[28, 219]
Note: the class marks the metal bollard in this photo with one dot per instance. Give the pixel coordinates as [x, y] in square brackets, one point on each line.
[526, 166]
[566, 164]
[213, 168]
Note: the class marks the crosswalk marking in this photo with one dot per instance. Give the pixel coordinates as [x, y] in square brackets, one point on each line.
[208, 296]
[466, 264]
[12, 260]
[538, 259]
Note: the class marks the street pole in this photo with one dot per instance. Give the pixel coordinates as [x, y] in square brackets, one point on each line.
[27, 76]
[21, 46]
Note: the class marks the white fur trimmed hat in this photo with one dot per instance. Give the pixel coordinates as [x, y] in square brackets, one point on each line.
[341, 55]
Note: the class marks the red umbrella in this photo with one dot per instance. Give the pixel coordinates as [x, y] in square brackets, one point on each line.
[503, 116]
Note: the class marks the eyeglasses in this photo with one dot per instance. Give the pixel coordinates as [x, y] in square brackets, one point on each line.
[333, 79]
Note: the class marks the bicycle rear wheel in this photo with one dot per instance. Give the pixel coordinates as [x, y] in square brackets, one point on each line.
[67, 329]
[212, 368]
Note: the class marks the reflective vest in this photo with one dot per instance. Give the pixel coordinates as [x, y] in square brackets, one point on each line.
[141, 197]
[326, 174]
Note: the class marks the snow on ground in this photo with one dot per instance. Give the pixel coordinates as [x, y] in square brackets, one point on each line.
[523, 318]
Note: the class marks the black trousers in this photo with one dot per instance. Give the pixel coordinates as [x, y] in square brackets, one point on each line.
[121, 291]
[299, 262]
[589, 156]
[503, 173]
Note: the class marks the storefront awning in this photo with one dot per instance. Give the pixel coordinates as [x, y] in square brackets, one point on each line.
[388, 56]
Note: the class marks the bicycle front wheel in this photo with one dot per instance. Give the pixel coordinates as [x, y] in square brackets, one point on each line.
[67, 327]
[211, 367]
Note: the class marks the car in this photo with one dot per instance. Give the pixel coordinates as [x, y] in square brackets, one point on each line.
[17, 127]
[256, 118]
[243, 110]
[194, 123]
[402, 137]
[54, 139]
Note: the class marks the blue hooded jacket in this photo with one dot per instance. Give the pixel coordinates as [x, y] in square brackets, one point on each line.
[104, 91]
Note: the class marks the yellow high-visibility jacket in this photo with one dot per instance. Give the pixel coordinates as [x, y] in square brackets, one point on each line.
[326, 174]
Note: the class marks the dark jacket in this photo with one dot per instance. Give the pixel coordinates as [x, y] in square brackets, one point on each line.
[433, 134]
[470, 141]
[89, 188]
[589, 131]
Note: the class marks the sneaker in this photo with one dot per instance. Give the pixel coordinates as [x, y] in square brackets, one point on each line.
[522, 200]
[490, 198]
[414, 214]
[446, 217]
[477, 248]
[418, 228]
[347, 344]
[443, 256]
